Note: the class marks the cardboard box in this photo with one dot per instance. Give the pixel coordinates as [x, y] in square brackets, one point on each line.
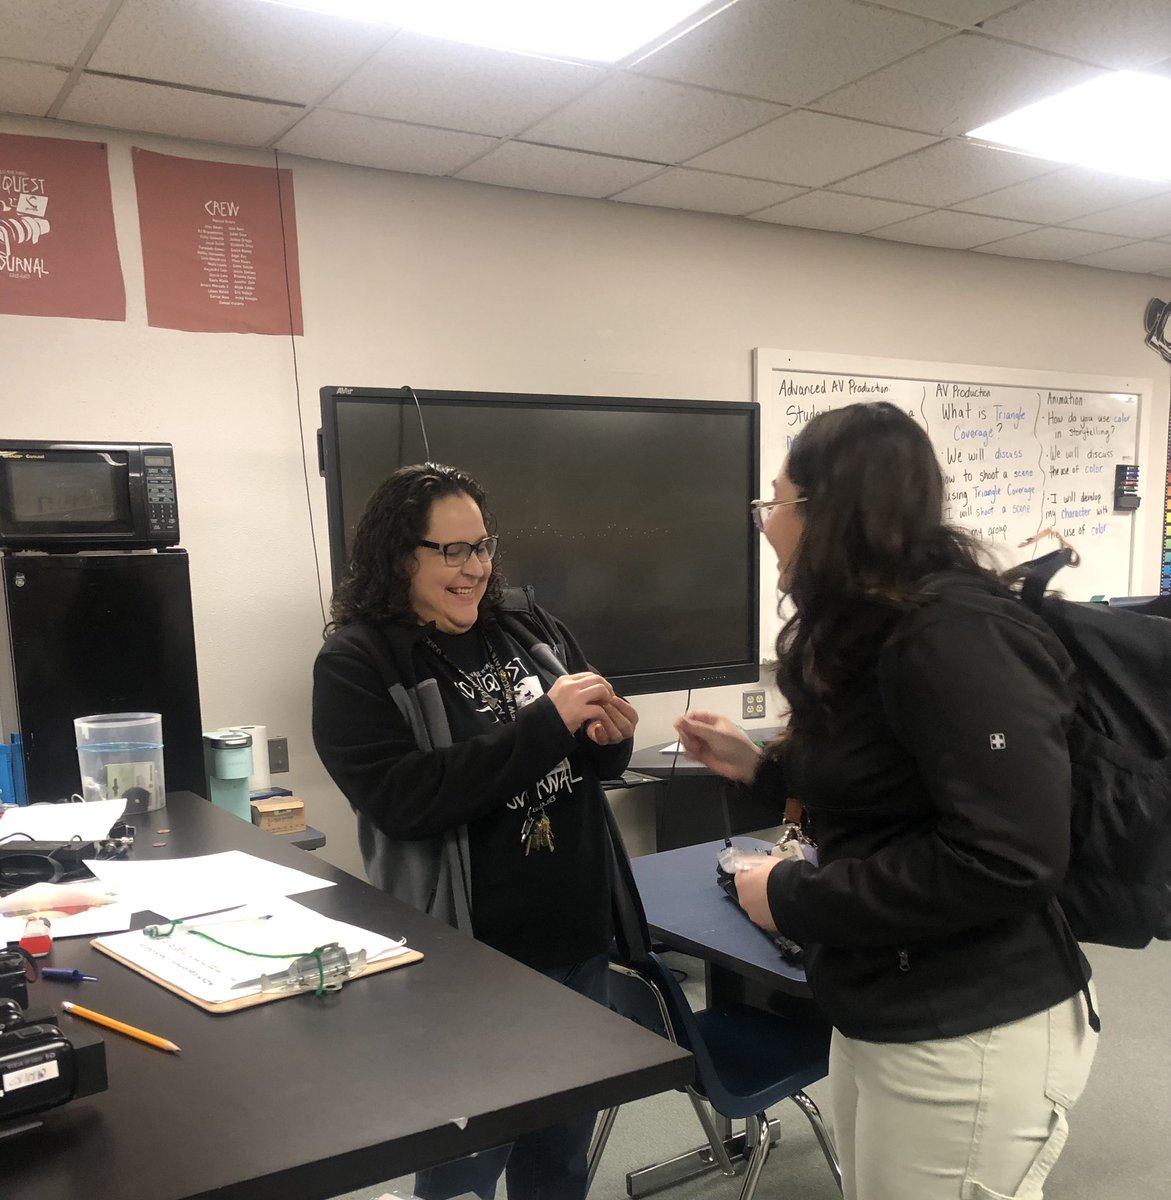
[279, 814]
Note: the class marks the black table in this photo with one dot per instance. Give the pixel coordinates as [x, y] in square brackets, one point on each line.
[304, 1098]
[693, 805]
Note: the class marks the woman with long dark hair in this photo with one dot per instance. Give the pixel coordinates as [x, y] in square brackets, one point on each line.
[473, 760]
[926, 743]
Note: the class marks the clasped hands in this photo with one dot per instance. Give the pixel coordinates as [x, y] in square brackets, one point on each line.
[587, 700]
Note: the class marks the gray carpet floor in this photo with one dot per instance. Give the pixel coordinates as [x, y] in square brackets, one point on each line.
[1120, 1140]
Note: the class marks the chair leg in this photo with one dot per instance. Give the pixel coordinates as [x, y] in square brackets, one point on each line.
[715, 1141]
[760, 1129]
[598, 1142]
[813, 1115]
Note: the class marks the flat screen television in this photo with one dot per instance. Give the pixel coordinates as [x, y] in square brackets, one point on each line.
[629, 517]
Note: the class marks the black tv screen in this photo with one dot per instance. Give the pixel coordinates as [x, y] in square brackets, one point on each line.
[629, 517]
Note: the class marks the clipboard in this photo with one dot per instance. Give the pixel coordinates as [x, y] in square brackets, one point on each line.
[252, 1000]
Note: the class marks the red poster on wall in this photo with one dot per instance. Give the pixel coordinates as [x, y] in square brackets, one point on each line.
[219, 245]
[58, 251]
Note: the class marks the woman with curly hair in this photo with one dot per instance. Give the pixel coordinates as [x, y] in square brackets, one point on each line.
[927, 744]
[473, 761]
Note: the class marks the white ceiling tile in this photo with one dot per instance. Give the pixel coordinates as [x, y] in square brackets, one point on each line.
[123, 104]
[959, 231]
[831, 210]
[1141, 257]
[247, 47]
[635, 117]
[954, 12]
[790, 51]
[389, 145]
[29, 88]
[48, 31]
[562, 172]
[957, 85]
[1150, 218]
[1112, 33]
[1066, 193]
[809, 148]
[701, 191]
[1057, 244]
[429, 81]
[945, 173]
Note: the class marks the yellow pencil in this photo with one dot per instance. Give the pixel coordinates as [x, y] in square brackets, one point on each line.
[119, 1026]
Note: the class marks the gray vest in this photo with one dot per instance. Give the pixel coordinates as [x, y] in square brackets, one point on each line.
[432, 874]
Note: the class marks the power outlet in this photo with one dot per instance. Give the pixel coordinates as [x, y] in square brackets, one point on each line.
[753, 705]
[278, 755]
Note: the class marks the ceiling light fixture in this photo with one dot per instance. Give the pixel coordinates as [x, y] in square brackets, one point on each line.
[589, 30]
[1114, 123]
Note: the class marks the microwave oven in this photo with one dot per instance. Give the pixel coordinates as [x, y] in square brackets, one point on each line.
[87, 495]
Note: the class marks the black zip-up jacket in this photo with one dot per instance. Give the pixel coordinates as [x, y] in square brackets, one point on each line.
[941, 807]
[381, 730]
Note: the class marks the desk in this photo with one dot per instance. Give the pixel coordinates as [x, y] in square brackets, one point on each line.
[689, 802]
[305, 1097]
[688, 911]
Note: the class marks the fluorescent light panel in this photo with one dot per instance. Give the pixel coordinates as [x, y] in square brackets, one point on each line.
[593, 30]
[1116, 123]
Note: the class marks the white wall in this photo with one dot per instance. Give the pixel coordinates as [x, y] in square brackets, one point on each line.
[439, 284]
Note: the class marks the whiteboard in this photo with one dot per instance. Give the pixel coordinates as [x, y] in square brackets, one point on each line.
[1021, 452]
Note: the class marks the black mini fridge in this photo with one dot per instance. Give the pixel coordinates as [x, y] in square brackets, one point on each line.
[97, 632]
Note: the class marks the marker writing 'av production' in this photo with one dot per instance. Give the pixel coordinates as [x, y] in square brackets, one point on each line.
[119, 1027]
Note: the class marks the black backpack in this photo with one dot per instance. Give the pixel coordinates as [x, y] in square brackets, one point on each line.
[1117, 890]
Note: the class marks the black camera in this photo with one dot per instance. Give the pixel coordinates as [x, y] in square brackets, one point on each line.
[14, 976]
[41, 1068]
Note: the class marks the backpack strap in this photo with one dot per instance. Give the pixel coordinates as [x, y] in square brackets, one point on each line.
[535, 630]
[1036, 576]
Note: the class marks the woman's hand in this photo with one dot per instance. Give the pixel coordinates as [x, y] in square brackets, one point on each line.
[752, 894]
[616, 724]
[580, 698]
[725, 749]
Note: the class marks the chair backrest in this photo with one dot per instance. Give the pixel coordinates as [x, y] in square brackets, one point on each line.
[746, 1059]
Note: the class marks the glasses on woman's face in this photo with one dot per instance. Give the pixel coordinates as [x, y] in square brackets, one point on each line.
[762, 509]
[455, 554]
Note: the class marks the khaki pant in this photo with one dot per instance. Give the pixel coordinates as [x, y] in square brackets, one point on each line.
[979, 1117]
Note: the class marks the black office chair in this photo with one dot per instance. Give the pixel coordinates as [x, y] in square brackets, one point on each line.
[746, 1059]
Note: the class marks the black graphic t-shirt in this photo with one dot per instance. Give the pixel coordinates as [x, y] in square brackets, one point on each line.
[546, 908]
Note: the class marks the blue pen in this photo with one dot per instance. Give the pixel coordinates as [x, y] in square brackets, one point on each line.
[66, 974]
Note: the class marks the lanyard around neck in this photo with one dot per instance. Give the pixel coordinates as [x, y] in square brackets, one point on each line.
[502, 704]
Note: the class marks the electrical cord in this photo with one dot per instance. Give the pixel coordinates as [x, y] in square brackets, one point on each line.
[422, 425]
[297, 387]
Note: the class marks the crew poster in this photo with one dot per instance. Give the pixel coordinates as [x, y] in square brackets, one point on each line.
[219, 245]
[58, 250]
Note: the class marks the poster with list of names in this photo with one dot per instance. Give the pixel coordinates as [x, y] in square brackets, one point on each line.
[219, 246]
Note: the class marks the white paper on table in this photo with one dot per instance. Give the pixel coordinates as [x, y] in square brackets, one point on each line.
[62, 822]
[79, 909]
[185, 887]
[210, 972]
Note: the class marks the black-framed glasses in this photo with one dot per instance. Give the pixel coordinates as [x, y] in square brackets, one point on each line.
[455, 554]
[762, 509]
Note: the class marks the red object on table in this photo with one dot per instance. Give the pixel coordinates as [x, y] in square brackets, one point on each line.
[36, 938]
